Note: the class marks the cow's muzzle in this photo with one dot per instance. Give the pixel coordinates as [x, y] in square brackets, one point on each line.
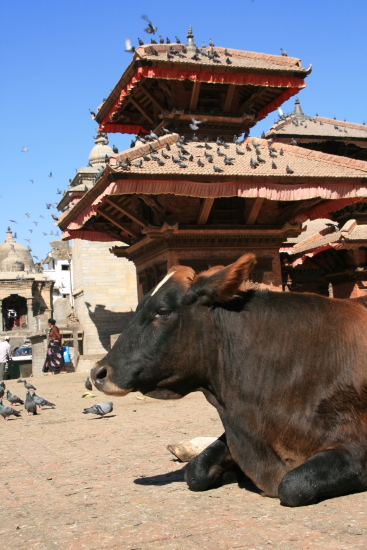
[101, 378]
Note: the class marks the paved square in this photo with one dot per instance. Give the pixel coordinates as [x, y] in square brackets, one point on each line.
[72, 481]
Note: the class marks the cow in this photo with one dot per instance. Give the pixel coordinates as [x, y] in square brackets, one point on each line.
[287, 373]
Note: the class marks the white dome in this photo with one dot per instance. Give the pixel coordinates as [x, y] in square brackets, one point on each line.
[101, 149]
[21, 251]
[12, 262]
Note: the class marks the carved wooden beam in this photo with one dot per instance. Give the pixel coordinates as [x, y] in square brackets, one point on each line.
[142, 110]
[205, 211]
[229, 98]
[195, 95]
[255, 210]
[160, 126]
[294, 209]
[127, 212]
[118, 224]
[151, 97]
[250, 101]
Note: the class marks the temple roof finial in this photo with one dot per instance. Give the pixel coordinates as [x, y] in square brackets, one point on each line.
[191, 46]
[298, 109]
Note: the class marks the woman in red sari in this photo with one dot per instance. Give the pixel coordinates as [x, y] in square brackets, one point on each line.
[54, 362]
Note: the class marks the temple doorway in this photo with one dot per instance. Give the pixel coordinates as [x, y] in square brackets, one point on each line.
[14, 312]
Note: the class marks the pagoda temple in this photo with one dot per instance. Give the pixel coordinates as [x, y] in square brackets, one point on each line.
[189, 192]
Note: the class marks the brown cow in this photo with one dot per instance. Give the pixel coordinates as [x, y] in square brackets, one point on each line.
[286, 372]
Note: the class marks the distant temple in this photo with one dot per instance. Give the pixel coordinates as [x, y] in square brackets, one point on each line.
[187, 193]
[25, 293]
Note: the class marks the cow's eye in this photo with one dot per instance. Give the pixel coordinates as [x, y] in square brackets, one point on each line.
[162, 313]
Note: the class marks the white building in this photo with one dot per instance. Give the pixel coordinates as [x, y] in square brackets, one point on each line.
[57, 267]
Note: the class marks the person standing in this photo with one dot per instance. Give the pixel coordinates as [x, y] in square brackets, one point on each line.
[5, 355]
[54, 362]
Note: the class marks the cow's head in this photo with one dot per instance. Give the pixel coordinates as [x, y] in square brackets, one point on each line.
[166, 349]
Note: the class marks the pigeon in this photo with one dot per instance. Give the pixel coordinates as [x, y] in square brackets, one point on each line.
[236, 140]
[6, 411]
[217, 169]
[151, 29]
[195, 124]
[182, 164]
[195, 138]
[153, 41]
[281, 152]
[168, 147]
[228, 161]
[28, 385]
[272, 149]
[88, 384]
[24, 150]
[30, 405]
[50, 175]
[228, 61]
[208, 155]
[164, 155]
[200, 163]
[146, 157]
[181, 55]
[154, 157]
[168, 40]
[153, 135]
[284, 53]
[138, 164]
[182, 157]
[191, 158]
[289, 170]
[123, 165]
[59, 192]
[271, 154]
[170, 56]
[211, 43]
[207, 146]
[2, 391]
[293, 141]
[93, 114]
[196, 57]
[101, 409]
[13, 399]
[35, 223]
[2, 384]
[253, 163]
[41, 402]
[129, 48]
[220, 153]
[273, 165]
[44, 233]
[160, 162]
[28, 240]
[32, 181]
[260, 159]
[141, 42]
[13, 221]
[178, 41]
[28, 214]
[175, 159]
[248, 148]
[226, 52]
[239, 152]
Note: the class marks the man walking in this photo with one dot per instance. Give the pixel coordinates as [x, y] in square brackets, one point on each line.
[5, 355]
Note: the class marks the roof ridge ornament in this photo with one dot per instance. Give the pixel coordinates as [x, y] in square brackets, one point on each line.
[191, 46]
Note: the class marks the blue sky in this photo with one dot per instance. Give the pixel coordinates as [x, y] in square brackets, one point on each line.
[60, 58]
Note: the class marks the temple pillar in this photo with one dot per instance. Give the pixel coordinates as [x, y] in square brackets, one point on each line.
[30, 313]
[39, 349]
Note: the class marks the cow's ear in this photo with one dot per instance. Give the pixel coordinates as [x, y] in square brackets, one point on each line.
[221, 285]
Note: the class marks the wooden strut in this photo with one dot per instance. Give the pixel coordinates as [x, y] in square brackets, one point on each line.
[255, 210]
[205, 211]
[120, 225]
[142, 110]
[229, 98]
[296, 209]
[127, 213]
[151, 97]
[195, 95]
[249, 101]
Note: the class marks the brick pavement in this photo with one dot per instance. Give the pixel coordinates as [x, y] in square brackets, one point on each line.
[72, 481]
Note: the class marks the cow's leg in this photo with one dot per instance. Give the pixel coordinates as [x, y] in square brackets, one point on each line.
[206, 470]
[330, 473]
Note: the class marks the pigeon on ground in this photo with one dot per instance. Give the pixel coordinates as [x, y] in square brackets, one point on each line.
[2, 384]
[30, 405]
[101, 409]
[20, 381]
[6, 411]
[28, 385]
[88, 384]
[2, 391]
[13, 399]
[41, 402]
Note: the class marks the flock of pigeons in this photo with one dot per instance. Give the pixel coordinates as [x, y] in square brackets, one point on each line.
[34, 403]
[184, 157]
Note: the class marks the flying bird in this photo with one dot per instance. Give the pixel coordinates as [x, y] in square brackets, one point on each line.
[32, 181]
[13, 221]
[129, 48]
[30, 230]
[44, 233]
[41, 217]
[35, 223]
[28, 240]
[59, 192]
[48, 206]
[24, 150]
[50, 175]
[28, 214]
[195, 124]
[151, 29]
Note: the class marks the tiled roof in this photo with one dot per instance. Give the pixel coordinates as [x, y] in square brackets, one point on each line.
[303, 162]
[318, 127]
[239, 58]
[310, 228]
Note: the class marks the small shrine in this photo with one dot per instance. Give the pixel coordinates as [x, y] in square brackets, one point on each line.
[24, 291]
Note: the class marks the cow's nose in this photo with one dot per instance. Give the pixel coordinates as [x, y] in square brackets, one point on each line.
[99, 375]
